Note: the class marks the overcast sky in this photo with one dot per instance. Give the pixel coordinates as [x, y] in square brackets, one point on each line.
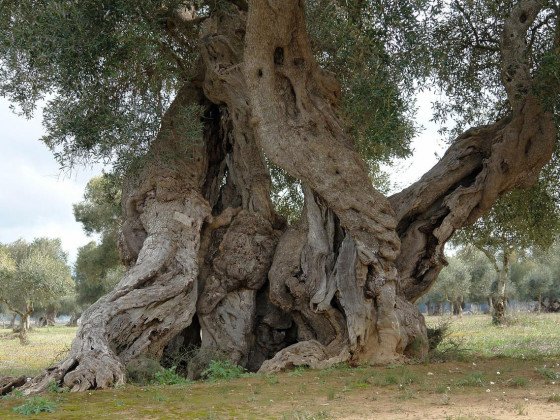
[36, 197]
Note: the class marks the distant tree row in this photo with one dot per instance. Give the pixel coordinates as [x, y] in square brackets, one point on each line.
[472, 277]
[33, 275]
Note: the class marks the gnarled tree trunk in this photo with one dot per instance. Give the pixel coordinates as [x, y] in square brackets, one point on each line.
[213, 266]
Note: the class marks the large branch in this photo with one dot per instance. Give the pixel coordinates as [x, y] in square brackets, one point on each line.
[294, 111]
[224, 84]
[482, 164]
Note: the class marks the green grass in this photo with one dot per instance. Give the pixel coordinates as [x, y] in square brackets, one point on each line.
[529, 336]
[35, 405]
[222, 370]
[46, 346]
[473, 379]
[169, 377]
[488, 373]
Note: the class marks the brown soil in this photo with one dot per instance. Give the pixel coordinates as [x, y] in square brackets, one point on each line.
[454, 390]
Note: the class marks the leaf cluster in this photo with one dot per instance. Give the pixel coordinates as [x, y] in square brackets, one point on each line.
[34, 273]
[520, 220]
[467, 60]
[107, 71]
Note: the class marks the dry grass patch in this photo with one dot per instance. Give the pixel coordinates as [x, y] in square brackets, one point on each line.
[46, 346]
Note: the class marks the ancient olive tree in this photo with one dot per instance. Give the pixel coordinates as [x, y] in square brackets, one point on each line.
[192, 99]
[32, 274]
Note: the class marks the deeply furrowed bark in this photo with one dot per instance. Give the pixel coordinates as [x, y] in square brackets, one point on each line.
[239, 251]
[213, 266]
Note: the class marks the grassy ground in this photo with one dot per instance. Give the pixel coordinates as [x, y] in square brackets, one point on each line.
[526, 336]
[521, 378]
[47, 345]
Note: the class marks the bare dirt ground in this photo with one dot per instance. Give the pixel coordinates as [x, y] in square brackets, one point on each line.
[507, 373]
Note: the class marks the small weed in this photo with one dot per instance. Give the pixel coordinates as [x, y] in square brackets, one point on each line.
[211, 416]
[441, 346]
[16, 393]
[272, 379]
[387, 380]
[445, 399]
[393, 366]
[547, 374]
[406, 394]
[35, 405]
[401, 377]
[224, 389]
[554, 398]
[521, 409]
[60, 355]
[161, 398]
[473, 379]
[298, 371]
[391, 379]
[330, 395]
[442, 389]
[326, 372]
[219, 370]
[169, 377]
[305, 415]
[518, 382]
[407, 377]
[54, 388]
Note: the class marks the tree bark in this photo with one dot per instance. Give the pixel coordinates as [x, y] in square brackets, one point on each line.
[13, 321]
[210, 263]
[9, 383]
[73, 321]
[500, 304]
[50, 315]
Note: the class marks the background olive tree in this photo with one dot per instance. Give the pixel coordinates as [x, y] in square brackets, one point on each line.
[33, 274]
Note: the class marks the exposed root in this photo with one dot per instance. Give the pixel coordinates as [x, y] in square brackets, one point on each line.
[305, 353]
